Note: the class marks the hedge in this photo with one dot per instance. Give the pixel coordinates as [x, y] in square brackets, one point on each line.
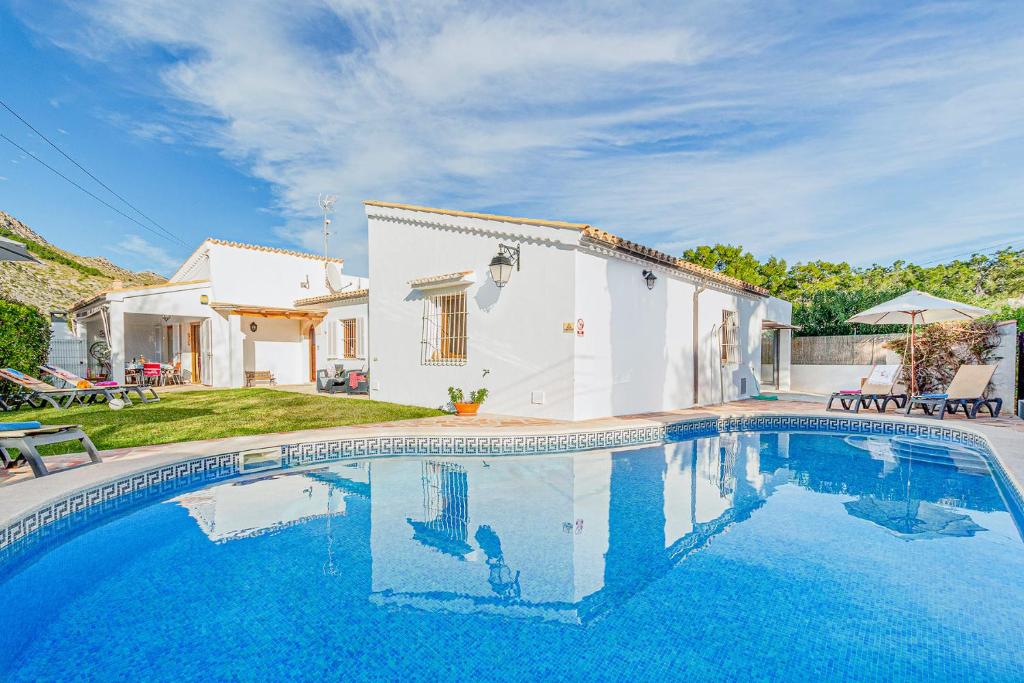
[24, 339]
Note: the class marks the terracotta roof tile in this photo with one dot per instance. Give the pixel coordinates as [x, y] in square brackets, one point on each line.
[334, 296]
[272, 250]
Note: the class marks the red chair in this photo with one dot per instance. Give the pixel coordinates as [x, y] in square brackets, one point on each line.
[151, 373]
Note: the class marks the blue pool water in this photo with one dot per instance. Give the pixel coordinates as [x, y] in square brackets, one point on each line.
[749, 556]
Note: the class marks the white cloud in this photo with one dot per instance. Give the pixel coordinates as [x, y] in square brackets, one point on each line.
[144, 255]
[820, 131]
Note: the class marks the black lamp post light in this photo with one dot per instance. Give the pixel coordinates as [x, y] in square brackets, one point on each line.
[501, 264]
[651, 278]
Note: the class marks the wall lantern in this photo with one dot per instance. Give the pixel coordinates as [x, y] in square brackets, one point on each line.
[203, 299]
[501, 264]
[651, 278]
[253, 327]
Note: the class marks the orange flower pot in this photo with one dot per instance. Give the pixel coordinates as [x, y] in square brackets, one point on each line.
[466, 408]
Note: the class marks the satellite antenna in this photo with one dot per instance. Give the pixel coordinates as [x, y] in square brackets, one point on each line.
[334, 278]
[326, 202]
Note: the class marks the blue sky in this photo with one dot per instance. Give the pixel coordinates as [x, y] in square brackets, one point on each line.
[852, 131]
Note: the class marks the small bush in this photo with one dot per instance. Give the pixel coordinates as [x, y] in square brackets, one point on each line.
[24, 339]
[459, 396]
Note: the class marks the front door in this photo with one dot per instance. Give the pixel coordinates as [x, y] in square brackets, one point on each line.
[194, 346]
[770, 358]
[312, 354]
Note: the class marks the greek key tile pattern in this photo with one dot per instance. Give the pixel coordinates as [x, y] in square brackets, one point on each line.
[118, 493]
[112, 496]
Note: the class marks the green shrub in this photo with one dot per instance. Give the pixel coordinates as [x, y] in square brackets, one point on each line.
[49, 254]
[826, 311]
[24, 339]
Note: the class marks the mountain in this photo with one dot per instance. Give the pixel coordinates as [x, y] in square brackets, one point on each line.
[62, 277]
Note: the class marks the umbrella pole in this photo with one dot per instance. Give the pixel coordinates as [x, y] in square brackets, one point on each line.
[913, 368]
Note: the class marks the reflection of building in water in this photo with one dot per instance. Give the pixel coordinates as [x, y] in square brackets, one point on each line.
[253, 507]
[445, 523]
[557, 537]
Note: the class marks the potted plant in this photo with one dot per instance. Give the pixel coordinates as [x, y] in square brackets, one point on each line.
[464, 407]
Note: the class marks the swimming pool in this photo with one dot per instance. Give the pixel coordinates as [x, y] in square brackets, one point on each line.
[751, 555]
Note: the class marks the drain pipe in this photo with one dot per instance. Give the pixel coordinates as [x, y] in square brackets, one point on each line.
[696, 340]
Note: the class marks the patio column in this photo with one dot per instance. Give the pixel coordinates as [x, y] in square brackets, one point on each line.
[235, 350]
[115, 339]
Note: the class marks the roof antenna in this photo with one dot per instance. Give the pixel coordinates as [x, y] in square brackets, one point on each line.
[326, 202]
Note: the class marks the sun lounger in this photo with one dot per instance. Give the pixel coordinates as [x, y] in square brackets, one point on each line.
[967, 391]
[26, 437]
[39, 394]
[73, 380]
[882, 386]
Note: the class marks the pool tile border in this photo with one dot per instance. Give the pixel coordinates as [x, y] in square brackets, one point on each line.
[108, 496]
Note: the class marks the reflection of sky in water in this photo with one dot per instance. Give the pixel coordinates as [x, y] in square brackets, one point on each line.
[733, 556]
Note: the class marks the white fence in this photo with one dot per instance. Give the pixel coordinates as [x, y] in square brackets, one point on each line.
[68, 353]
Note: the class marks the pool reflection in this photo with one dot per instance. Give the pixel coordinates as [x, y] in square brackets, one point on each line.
[566, 538]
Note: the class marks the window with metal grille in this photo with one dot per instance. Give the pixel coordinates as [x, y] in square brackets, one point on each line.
[444, 329]
[349, 343]
[727, 338]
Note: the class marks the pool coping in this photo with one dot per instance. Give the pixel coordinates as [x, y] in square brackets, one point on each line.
[33, 505]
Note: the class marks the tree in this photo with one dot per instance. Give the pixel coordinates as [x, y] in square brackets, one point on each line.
[728, 260]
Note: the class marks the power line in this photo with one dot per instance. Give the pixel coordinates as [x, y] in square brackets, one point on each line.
[87, 172]
[99, 199]
[982, 250]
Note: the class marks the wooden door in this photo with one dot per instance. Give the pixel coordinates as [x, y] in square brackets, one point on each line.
[312, 353]
[193, 344]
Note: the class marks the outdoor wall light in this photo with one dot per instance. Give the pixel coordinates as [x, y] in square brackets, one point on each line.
[253, 326]
[651, 278]
[501, 264]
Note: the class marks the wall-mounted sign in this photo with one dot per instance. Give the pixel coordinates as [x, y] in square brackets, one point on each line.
[568, 328]
[579, 327]
[204, 299]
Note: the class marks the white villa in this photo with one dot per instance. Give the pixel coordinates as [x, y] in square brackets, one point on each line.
[233, 308]
[586, 324]
[557, 320]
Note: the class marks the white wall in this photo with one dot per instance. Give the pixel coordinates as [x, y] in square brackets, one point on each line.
[824, 379]
[515, 341]
[251, 276]
[277, 345]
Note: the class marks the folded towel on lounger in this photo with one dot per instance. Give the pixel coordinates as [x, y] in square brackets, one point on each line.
[15, 426]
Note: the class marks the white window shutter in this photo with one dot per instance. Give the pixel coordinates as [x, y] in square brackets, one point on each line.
[332, 338]
[360, 337]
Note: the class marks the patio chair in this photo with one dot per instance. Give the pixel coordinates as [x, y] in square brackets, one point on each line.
[73, 380]
[152, 373]
[39, 394]
[967, 391]
[26, 437]
[881, 386]
[328, 384]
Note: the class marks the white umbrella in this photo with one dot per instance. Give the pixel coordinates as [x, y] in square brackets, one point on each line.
[917, 307]
[14, 251]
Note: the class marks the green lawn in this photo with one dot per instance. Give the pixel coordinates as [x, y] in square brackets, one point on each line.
[192, 415]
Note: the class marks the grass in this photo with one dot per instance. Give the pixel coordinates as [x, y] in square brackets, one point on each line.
[193, 415]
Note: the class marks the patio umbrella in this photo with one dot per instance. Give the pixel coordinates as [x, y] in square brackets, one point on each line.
[14, 251]
[917, 307]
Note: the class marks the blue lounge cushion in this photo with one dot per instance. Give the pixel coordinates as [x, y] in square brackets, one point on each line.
[933, 396]
[15, 426]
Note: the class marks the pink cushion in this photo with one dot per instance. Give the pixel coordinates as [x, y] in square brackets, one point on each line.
[104, 384]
